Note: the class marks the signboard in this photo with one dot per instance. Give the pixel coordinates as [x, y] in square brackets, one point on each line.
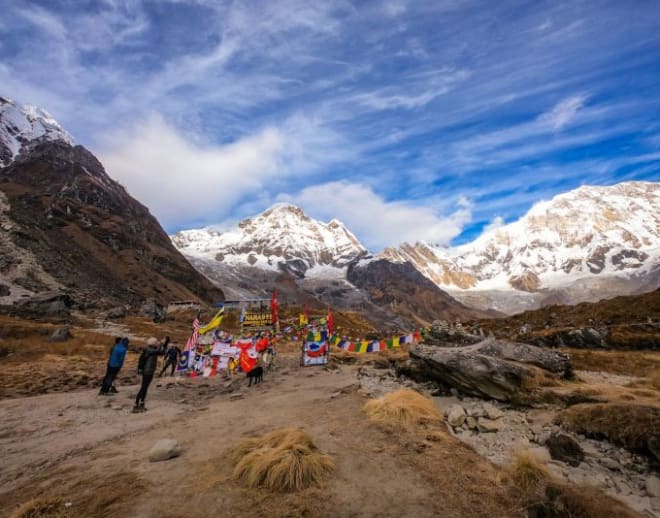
[257, 320]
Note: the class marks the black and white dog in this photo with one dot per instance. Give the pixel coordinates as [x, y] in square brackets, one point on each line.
[256, 374]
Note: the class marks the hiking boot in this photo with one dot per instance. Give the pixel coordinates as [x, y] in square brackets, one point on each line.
[136, 409]
[142, 407]
[113, 390]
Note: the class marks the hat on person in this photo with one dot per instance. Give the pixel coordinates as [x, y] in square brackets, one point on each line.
[152, 341]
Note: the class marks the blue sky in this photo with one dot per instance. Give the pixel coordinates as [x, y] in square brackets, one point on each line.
[407, 120]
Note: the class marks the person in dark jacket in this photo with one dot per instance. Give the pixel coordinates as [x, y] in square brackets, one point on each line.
[147, 365]
[115, 363]
[171, 360]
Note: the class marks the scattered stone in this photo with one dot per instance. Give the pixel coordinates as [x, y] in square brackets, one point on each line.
[491, 411]
[455, 415]
[236, 396]
[61, 334]
[471, 423]
[653, 486]
[610, 464]
[488, 425]
[164, 449]
[564, 448]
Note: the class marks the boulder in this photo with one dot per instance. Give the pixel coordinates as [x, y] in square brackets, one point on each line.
[455, 415]
[164, 449]
[653, 486]
[115, 313]
[564, 448]
[471, 423]
[48, 304]
[493, 369]
[61, 334]
[486, 425]
[152, 309]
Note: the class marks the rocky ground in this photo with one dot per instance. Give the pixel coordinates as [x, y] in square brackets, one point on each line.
[498, 431]
[65, 441]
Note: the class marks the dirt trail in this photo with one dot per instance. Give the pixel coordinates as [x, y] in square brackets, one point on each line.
[75, 446]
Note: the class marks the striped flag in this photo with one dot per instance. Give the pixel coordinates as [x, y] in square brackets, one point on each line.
[192, 341]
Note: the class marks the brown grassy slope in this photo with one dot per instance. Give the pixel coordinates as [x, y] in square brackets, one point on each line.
[625, 318]
[635, 427]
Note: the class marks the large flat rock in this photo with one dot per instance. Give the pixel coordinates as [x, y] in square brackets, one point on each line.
[494, 369]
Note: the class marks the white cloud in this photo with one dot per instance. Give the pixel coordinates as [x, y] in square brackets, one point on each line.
[563, 112]
[377, 222]
[184, 181]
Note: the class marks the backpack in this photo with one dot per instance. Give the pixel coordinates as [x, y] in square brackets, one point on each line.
[142, 362]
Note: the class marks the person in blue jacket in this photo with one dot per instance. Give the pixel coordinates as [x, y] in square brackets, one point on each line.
[115, 363]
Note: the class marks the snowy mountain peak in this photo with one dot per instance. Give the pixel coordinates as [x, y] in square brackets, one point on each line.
[282, 237]
[20, 125]
[573, 239]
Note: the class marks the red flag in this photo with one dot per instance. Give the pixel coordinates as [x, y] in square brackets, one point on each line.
[331, 323]
[274, 308]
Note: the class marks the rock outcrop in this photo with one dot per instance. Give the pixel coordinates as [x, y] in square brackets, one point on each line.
[494, 369]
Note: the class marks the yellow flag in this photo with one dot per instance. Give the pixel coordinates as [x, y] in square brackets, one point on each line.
[215, 322]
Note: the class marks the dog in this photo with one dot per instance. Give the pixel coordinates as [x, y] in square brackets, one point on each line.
[256, 374]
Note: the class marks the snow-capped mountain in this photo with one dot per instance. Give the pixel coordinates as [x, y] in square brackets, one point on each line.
[310, 261]
[586, 244]
[20, 125]
[281, 238]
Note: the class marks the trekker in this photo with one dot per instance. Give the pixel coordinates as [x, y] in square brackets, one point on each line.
[115, 363]
[147, 365]
[171, 360]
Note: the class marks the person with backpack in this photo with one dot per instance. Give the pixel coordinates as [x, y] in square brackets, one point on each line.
[171, 360]
[115, 363]
[147, 365]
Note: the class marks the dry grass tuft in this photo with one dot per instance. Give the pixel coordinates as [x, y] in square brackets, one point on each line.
[529, 475]
[401, 410]
[42, 507]
[283, 460]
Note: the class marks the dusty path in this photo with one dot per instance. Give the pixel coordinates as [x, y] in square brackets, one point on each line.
[75, 446]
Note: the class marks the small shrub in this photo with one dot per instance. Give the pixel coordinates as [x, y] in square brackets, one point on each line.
[284, 460]
[529, 476]
[403, 409]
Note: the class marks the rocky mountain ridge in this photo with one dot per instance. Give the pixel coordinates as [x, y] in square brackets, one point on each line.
[66, 225]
